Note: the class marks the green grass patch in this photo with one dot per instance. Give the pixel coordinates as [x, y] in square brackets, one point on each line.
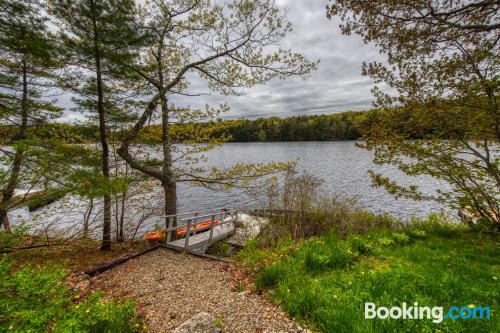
[35, 299]
[325, 281]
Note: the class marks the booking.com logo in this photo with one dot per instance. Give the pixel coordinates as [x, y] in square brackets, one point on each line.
[436, 313]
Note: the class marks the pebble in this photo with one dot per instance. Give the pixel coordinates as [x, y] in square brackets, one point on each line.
[177, 286]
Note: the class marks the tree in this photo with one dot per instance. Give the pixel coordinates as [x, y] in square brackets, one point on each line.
[26, 63]
[96, 34]
[442, 60]
[231, 46]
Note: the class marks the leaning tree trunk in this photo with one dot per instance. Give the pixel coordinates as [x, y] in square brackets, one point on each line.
[106, 228]
[8, 192]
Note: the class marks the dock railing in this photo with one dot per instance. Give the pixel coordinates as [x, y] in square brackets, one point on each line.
[188, 222]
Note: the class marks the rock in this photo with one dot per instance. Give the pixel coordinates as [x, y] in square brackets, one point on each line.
[199, 323]
[247, 227]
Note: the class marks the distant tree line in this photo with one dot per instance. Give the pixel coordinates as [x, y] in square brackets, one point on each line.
[302, 128]
[341, 126]
[349, 125]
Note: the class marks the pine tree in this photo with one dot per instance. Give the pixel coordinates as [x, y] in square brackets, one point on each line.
[96, 34]
[28, 56]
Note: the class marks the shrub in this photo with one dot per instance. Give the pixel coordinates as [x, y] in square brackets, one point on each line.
[36, 300]
[439, 224]
[13, 238]
[400, 237]
[324, 257]
[360, 245]
[300, 210]
[220, 249]
[385, 241]
[418, 234]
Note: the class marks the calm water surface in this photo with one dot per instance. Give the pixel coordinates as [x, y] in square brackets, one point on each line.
[341, 165]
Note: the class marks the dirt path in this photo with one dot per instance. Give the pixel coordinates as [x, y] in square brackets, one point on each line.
[171, 287]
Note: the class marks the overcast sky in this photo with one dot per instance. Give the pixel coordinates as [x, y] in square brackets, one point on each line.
[337, 85]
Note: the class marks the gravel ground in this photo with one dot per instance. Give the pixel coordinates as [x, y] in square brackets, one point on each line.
[171, 287]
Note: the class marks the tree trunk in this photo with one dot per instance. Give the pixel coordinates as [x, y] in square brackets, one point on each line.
[168, 182]
[4, 219]
[170, 191]
[86, 219]
[8, 192]
[106, 227]
[121, 236]
[168, 178]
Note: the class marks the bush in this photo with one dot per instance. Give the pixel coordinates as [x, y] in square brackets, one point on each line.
[360, 245]
[13, 238]
[220, 249]
[400, 237]
[301, 211]
[36, 300]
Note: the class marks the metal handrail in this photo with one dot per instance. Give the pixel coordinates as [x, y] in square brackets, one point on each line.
[227, 212]
[192, 213]
[221, 214]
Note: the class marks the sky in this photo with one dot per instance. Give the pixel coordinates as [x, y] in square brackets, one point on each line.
[336, 86]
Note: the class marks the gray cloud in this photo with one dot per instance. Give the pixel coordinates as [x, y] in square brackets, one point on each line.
[336, 86]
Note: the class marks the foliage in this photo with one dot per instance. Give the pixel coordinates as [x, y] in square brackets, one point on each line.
[300, 210]
[443, 61]
[27, 64]
[36, 300]
[12, 238]
[337, 126]
[341, 126]
[214, 42]
[220, 249]
[325, 281]
[95, 34]
[470, 166]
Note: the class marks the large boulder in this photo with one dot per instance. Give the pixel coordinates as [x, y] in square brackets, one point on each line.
[247, 227]
[199, 323]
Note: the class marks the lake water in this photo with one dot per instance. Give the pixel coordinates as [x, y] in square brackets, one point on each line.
[341, 165]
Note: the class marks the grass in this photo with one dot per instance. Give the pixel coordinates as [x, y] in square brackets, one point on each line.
[325, 281]
[35, 299]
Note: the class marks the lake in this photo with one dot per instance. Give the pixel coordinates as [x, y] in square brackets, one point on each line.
[341, 165]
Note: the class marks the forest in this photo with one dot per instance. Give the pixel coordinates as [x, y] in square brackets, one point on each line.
[343, 126]
[329, 127]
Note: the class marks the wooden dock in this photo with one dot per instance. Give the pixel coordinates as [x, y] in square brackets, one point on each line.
[219, 225]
